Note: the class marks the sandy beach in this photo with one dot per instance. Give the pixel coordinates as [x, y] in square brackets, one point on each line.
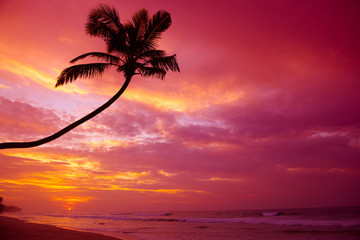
[14, 229]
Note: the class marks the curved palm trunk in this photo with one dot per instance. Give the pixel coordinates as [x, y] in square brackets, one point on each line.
[71, 126]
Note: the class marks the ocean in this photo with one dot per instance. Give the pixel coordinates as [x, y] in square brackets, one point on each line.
[274, 224]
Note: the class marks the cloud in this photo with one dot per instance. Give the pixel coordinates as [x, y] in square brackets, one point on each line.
[263, 113]
[21, 121]
[41, 78]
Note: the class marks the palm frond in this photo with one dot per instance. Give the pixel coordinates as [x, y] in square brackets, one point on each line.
[140, 20]
[159, 22]
[166, 63]
[131, 35]
[104, 22]
[115, 41]
[96, 28]
[100, 55]
[72, 73]
[151, 72]
[151, 54]
[108, 15]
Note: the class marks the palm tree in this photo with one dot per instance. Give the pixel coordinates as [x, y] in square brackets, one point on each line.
[131, 49]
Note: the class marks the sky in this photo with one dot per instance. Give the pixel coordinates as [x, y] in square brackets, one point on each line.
[264, 113]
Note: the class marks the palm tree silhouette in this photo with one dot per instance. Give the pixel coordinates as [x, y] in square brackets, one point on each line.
[131, 49]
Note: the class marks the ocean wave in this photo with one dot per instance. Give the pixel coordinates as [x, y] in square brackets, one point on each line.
[267, 217]
[153, 214]
[275, 214]
[119, 217]
[277, 221]
[270, 214]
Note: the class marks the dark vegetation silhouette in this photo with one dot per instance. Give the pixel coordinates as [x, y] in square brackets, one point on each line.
[131, 50]
[1, 205]
[5, 208]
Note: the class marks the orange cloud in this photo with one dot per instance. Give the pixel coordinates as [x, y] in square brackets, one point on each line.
[4, 86]
[188, 98]
[35, 75]
[166, 174]
[224, 179]
[108, 143]
[50, 182]
[72, 172]
[72, 199]
[214, 146]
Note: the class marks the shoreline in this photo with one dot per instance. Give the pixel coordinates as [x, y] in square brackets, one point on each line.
[13, 228]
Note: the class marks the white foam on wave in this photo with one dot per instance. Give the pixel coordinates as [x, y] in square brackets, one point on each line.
[269, 214]
[153, 214]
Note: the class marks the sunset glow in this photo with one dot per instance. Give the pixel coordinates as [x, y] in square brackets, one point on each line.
[264, 113]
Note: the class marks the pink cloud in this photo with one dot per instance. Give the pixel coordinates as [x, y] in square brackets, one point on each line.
[21, 121]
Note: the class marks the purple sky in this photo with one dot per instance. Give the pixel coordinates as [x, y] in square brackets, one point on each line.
[264, 113]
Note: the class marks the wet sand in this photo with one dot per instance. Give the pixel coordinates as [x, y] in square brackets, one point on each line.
[14, 229]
